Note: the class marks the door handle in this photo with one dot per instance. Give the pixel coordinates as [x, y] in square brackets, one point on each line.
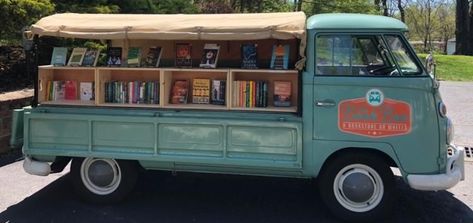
[325, 103]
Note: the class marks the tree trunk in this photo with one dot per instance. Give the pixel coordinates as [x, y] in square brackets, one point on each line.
[299, 5]
[470, 30]
[385, 8]
[462, 32]
[401, 10]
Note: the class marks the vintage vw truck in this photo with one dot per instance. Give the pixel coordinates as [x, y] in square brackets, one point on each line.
[360, 102]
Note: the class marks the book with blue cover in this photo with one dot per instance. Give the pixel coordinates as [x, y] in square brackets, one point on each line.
[59, 56]
[249, 56]
[280, 57]
[90, 58]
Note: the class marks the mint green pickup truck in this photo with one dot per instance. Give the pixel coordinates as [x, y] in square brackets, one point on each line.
[359, 102]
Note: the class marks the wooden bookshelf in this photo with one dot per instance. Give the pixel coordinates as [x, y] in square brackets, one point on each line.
[110, 74]
[51, 73]
[172, 75]
[269, 76]
[166, 77]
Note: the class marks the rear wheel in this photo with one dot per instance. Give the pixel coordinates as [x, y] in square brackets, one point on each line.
[357, 187]
[103, 180]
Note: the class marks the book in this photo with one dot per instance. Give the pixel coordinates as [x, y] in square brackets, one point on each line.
[280, 57]
[114, 56]
[282, 93]
[58, 90]
[134, 57]
[210, 56]
[70, 90]
[218, 92]
[249, 57]
[179, 92]
[201, 91]
[183, 55]
[58, 57]
[91, 57]
[77, 56]
[86, 91]
[153, 57]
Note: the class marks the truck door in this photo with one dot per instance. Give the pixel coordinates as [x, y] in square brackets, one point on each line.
[371, 88]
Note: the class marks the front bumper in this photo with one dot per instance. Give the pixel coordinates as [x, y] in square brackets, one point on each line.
[454, 173]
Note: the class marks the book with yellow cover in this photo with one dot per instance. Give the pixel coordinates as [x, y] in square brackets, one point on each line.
[201, 91]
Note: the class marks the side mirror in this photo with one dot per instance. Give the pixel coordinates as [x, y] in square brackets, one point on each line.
[430, 65]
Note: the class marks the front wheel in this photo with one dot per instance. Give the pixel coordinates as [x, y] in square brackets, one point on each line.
[103, 180]
[357, 187]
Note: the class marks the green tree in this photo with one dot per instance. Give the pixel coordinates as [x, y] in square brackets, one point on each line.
[341, 6]
[16, 14]
[176, 6]
[86, 6]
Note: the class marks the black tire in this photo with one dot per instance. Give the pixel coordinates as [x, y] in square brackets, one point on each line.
[364, 205]
[115, 191]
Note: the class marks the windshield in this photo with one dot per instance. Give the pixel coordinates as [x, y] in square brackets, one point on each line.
[402, 55]
[363, 55]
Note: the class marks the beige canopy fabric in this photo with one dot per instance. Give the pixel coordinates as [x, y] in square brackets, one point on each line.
[250, 26]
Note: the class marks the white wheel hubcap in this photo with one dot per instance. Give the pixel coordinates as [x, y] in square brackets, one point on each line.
[100, 176]
[358, 188]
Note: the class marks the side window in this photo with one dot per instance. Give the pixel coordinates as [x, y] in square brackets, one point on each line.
[352, 55]
[402, 55]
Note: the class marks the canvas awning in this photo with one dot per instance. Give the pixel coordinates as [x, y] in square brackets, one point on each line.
[249, 26]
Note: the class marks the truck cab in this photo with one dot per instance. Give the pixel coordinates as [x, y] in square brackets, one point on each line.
[363, 103]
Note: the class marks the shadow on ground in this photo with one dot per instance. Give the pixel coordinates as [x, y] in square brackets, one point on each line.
[161, 197]
[10, 157]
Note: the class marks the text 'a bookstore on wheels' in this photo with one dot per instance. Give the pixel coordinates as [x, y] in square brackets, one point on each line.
[257, 74]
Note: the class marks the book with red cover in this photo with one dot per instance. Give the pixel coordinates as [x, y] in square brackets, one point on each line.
[71, 90]
[179, 92]
[282, 93]
[183, 55]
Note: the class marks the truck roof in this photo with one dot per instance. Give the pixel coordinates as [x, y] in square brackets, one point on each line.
[345, 21]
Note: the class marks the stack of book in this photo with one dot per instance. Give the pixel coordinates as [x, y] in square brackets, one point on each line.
[250, 94]
[132, 92]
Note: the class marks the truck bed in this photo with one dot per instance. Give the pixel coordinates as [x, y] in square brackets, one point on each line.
[239, 142]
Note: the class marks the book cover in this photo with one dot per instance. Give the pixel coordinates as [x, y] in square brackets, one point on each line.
[153, 57]
[59, 90]
[70, 90]
[179, 92]
[265, 94]
[282, 93]
[134, 57]
[218, 92]
[86, 91]
[91, 57]
[59, 56]
[200, 91]
[77, 56]
[210, 56]
[249, 57]
[114, 56]
[183, 55]
[280, 57]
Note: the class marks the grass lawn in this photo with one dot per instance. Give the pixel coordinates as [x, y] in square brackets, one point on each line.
[452, 67]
